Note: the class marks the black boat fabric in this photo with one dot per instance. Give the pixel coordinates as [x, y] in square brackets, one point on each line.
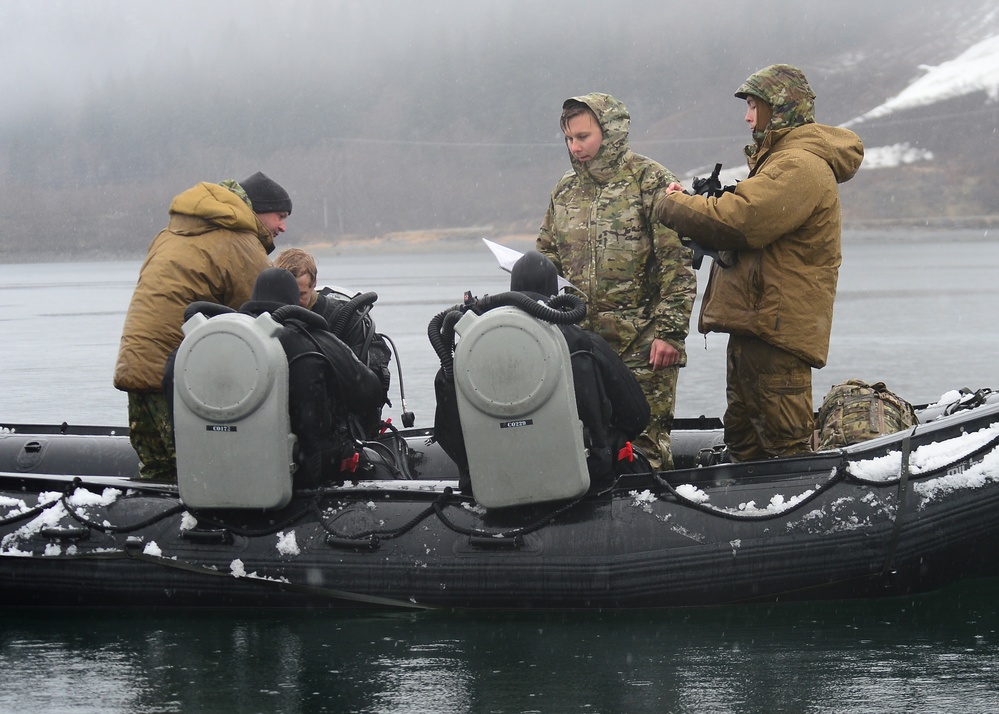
[808, 528]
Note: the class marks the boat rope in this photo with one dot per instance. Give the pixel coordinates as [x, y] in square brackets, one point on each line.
[387, 533]
[254, 532]
[31, 512]
[794, 594]
[903, 483]
[437, 508]
[983, 449]
[508, 533]
[841, 473]
[314, 507]
[837, 476]
[134, 553]
[107, 527]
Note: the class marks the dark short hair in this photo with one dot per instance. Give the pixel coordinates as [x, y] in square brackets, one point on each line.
[573, 108]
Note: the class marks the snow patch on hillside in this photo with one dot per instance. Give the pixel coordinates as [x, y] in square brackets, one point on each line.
[890, 157]
[974, 70]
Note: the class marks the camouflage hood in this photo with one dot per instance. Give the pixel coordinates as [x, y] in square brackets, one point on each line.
[785, 89]
[615, 122]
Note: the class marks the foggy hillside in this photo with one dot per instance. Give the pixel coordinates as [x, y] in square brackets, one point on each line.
[390, 116]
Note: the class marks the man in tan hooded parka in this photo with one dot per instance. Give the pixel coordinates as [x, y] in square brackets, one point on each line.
[215, 245]
[776, 301]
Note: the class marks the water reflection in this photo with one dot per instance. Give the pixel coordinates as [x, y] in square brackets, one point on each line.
[929, 653]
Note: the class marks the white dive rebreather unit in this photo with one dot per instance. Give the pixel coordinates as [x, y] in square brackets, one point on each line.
[513, 382]
[233, 431]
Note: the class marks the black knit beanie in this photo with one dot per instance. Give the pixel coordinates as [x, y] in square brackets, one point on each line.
[274, 288]
[266, 194]
[534, 272]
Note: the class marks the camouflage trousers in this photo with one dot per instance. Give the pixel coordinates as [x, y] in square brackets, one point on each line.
[769, 394]
[151, 434]
[660, 391]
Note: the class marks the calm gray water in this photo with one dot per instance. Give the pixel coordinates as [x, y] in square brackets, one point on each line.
[919, 314]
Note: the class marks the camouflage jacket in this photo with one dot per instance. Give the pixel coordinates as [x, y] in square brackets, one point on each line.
[602, 236]
[784, 221]
[213, 249]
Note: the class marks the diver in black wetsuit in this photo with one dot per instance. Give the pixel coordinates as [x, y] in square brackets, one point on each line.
[349, 318]
[609, 399]
[329, 389]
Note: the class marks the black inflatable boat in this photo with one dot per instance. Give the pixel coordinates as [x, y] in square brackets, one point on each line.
[899, 514]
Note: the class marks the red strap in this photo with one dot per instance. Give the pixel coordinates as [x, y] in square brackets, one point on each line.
[626, 453]
[350, 465]
[385, 425]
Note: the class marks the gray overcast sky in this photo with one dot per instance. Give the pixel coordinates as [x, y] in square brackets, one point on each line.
[52, 49]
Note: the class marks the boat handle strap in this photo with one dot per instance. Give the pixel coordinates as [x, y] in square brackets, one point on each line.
[903, 485]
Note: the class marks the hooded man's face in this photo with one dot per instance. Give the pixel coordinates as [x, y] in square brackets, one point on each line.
[758, 114]
[583, 136]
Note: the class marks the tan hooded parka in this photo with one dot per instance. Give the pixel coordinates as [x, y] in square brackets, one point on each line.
[784, 222]
[213, 249]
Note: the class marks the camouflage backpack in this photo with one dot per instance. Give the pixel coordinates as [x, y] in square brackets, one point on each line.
[855, 411]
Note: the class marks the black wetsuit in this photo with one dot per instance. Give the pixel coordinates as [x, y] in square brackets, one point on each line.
[350, 320]
[330, 392]
[328, 389]
[609, 400]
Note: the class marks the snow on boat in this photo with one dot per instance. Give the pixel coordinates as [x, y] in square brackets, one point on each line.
[900, 514]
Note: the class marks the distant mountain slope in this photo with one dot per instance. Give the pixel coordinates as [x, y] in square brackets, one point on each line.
[931, 149]
[387, 117]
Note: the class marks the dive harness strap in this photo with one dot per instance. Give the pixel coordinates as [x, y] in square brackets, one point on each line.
[903, 484]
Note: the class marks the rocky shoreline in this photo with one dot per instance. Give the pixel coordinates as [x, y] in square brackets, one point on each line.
[980, 228]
